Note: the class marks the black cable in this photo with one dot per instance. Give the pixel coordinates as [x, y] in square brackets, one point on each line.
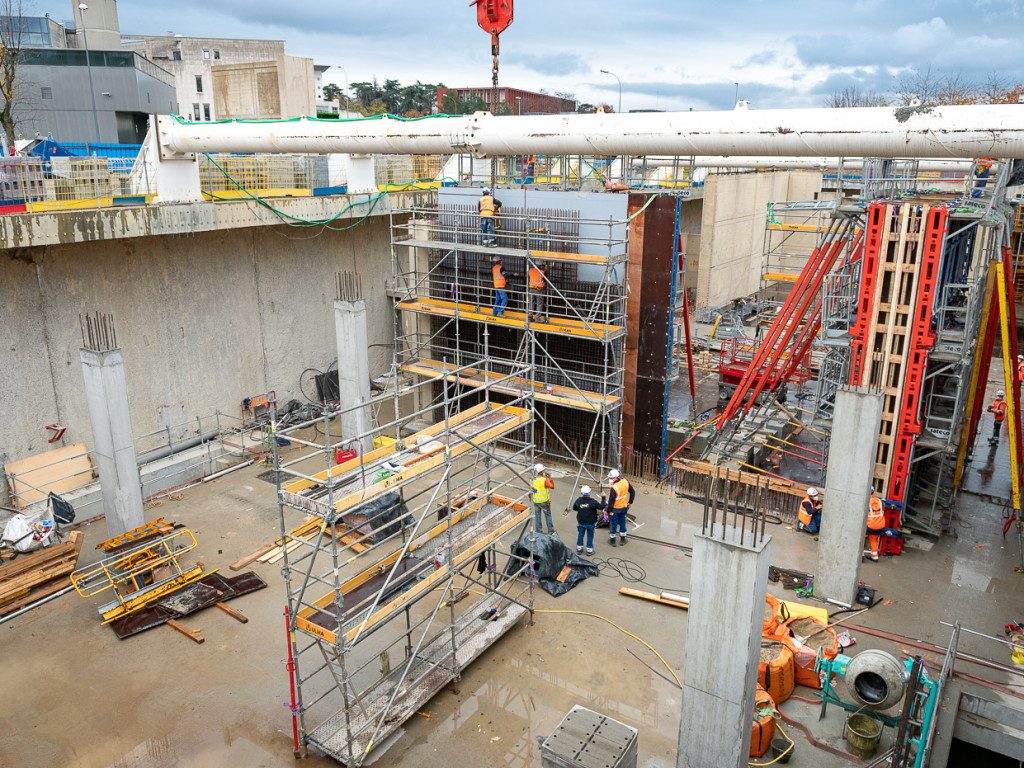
[631, 572]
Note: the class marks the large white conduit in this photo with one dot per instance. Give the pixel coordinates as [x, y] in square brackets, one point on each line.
[995, 131]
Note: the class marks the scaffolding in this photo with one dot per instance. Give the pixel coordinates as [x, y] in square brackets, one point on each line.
[792, 230]
[382, 550]
[570, 335]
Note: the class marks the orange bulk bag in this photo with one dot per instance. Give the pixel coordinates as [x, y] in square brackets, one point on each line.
[771, 614]
[775, 672]
[762, 731]
[804, 641]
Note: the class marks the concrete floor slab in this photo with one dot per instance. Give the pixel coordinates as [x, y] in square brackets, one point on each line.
[84, 698]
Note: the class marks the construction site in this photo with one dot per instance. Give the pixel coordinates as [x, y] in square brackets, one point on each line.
[282, 433]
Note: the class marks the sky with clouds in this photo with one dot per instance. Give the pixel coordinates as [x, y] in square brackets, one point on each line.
[669, 54]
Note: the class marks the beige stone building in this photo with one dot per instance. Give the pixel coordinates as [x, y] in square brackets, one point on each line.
[265, 90]
[191, 60]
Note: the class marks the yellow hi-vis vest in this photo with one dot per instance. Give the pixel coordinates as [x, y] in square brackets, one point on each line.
[487, 207]
[541, 492]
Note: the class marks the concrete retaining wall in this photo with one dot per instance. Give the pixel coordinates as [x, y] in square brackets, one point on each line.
[733, 227]
[204, 320]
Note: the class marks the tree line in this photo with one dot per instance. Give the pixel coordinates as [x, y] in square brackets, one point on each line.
[933, 88]
[419, 99]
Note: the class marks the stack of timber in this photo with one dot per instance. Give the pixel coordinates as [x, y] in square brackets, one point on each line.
[308, 531]
[37, 575]
[691, 478]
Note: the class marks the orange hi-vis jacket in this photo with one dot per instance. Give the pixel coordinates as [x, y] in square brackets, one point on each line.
[498, 275]
[876, 518]
[1020, 371]
[536, 279]
[621, 488]
[487, 207]
[999, 408]
[806, 513]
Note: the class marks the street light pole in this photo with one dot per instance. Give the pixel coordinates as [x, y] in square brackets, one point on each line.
[736, 100]
[82, 8]
[346, 88]
[519, 105]
[606, 72]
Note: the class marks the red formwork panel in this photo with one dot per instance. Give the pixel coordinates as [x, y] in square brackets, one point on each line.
[908, 423]
[873, 228]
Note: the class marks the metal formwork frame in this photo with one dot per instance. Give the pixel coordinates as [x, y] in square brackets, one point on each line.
[364, 587]
[443, 290]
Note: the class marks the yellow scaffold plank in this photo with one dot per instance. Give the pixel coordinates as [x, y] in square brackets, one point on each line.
[560, 325]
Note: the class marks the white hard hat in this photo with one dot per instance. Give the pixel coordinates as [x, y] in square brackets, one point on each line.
[1020, 357]
[613, 474]
[585, 490]
[1000, 393]
[486, 191]
[812, 492]
[538, 468]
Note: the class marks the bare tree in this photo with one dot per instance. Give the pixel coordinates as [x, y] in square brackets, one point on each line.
[997, 89]
[935, 88]
[853, 97]
[11, 56]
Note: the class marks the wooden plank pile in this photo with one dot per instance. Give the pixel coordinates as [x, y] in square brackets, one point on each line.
[31, 577]
[308, 531]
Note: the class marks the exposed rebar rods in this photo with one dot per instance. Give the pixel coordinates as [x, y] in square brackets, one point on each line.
[98, 332]
[349, 286]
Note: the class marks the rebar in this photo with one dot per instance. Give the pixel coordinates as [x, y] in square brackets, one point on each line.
[98, 331]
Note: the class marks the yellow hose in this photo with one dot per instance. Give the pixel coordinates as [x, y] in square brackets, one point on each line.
[788, 753]
[609, 621]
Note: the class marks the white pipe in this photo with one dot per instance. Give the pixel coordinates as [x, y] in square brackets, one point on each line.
[805, 163]
[932, 132]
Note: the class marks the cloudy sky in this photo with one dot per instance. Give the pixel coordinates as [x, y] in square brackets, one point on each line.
[669, 54]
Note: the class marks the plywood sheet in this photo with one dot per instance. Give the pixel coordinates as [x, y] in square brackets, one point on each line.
[60, 471]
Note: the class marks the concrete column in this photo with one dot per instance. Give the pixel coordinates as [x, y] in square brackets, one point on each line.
[106, 394]
[353, 367]
[844, 514]
[728, 582]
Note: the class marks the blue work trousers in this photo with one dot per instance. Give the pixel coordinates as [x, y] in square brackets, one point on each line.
[587, 530]
[500, 301]
[487, 228]
[617, 522]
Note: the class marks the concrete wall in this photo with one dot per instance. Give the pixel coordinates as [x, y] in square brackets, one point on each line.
[733, 226]
[204, 320]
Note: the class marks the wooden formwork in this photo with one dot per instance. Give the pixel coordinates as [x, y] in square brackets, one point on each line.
[898, 233]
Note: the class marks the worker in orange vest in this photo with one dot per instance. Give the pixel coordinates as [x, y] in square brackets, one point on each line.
[500, 297]
[809, 515]
[1020, 369]
[998, 410]
[876, 522]
[488, 206]
[982, 169]
[537, 283]
[620, 499]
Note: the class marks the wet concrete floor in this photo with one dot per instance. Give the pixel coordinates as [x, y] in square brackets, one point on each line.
[77, 696]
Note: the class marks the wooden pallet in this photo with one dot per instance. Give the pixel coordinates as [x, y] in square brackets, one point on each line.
[31, 577]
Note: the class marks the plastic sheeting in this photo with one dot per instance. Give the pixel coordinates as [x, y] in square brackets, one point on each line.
[550, 556]
[381, 515]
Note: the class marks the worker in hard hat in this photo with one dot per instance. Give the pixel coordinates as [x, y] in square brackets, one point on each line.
[489, 207]
[998, 410]
[587, 508]
[538, 298]
[809, 515]
[876, 522]
[1020, 369]
[620, 499]
[500, 296]
[542, 487]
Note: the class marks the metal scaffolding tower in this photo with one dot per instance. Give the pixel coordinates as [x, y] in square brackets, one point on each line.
[570, 335]
[381, 549]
